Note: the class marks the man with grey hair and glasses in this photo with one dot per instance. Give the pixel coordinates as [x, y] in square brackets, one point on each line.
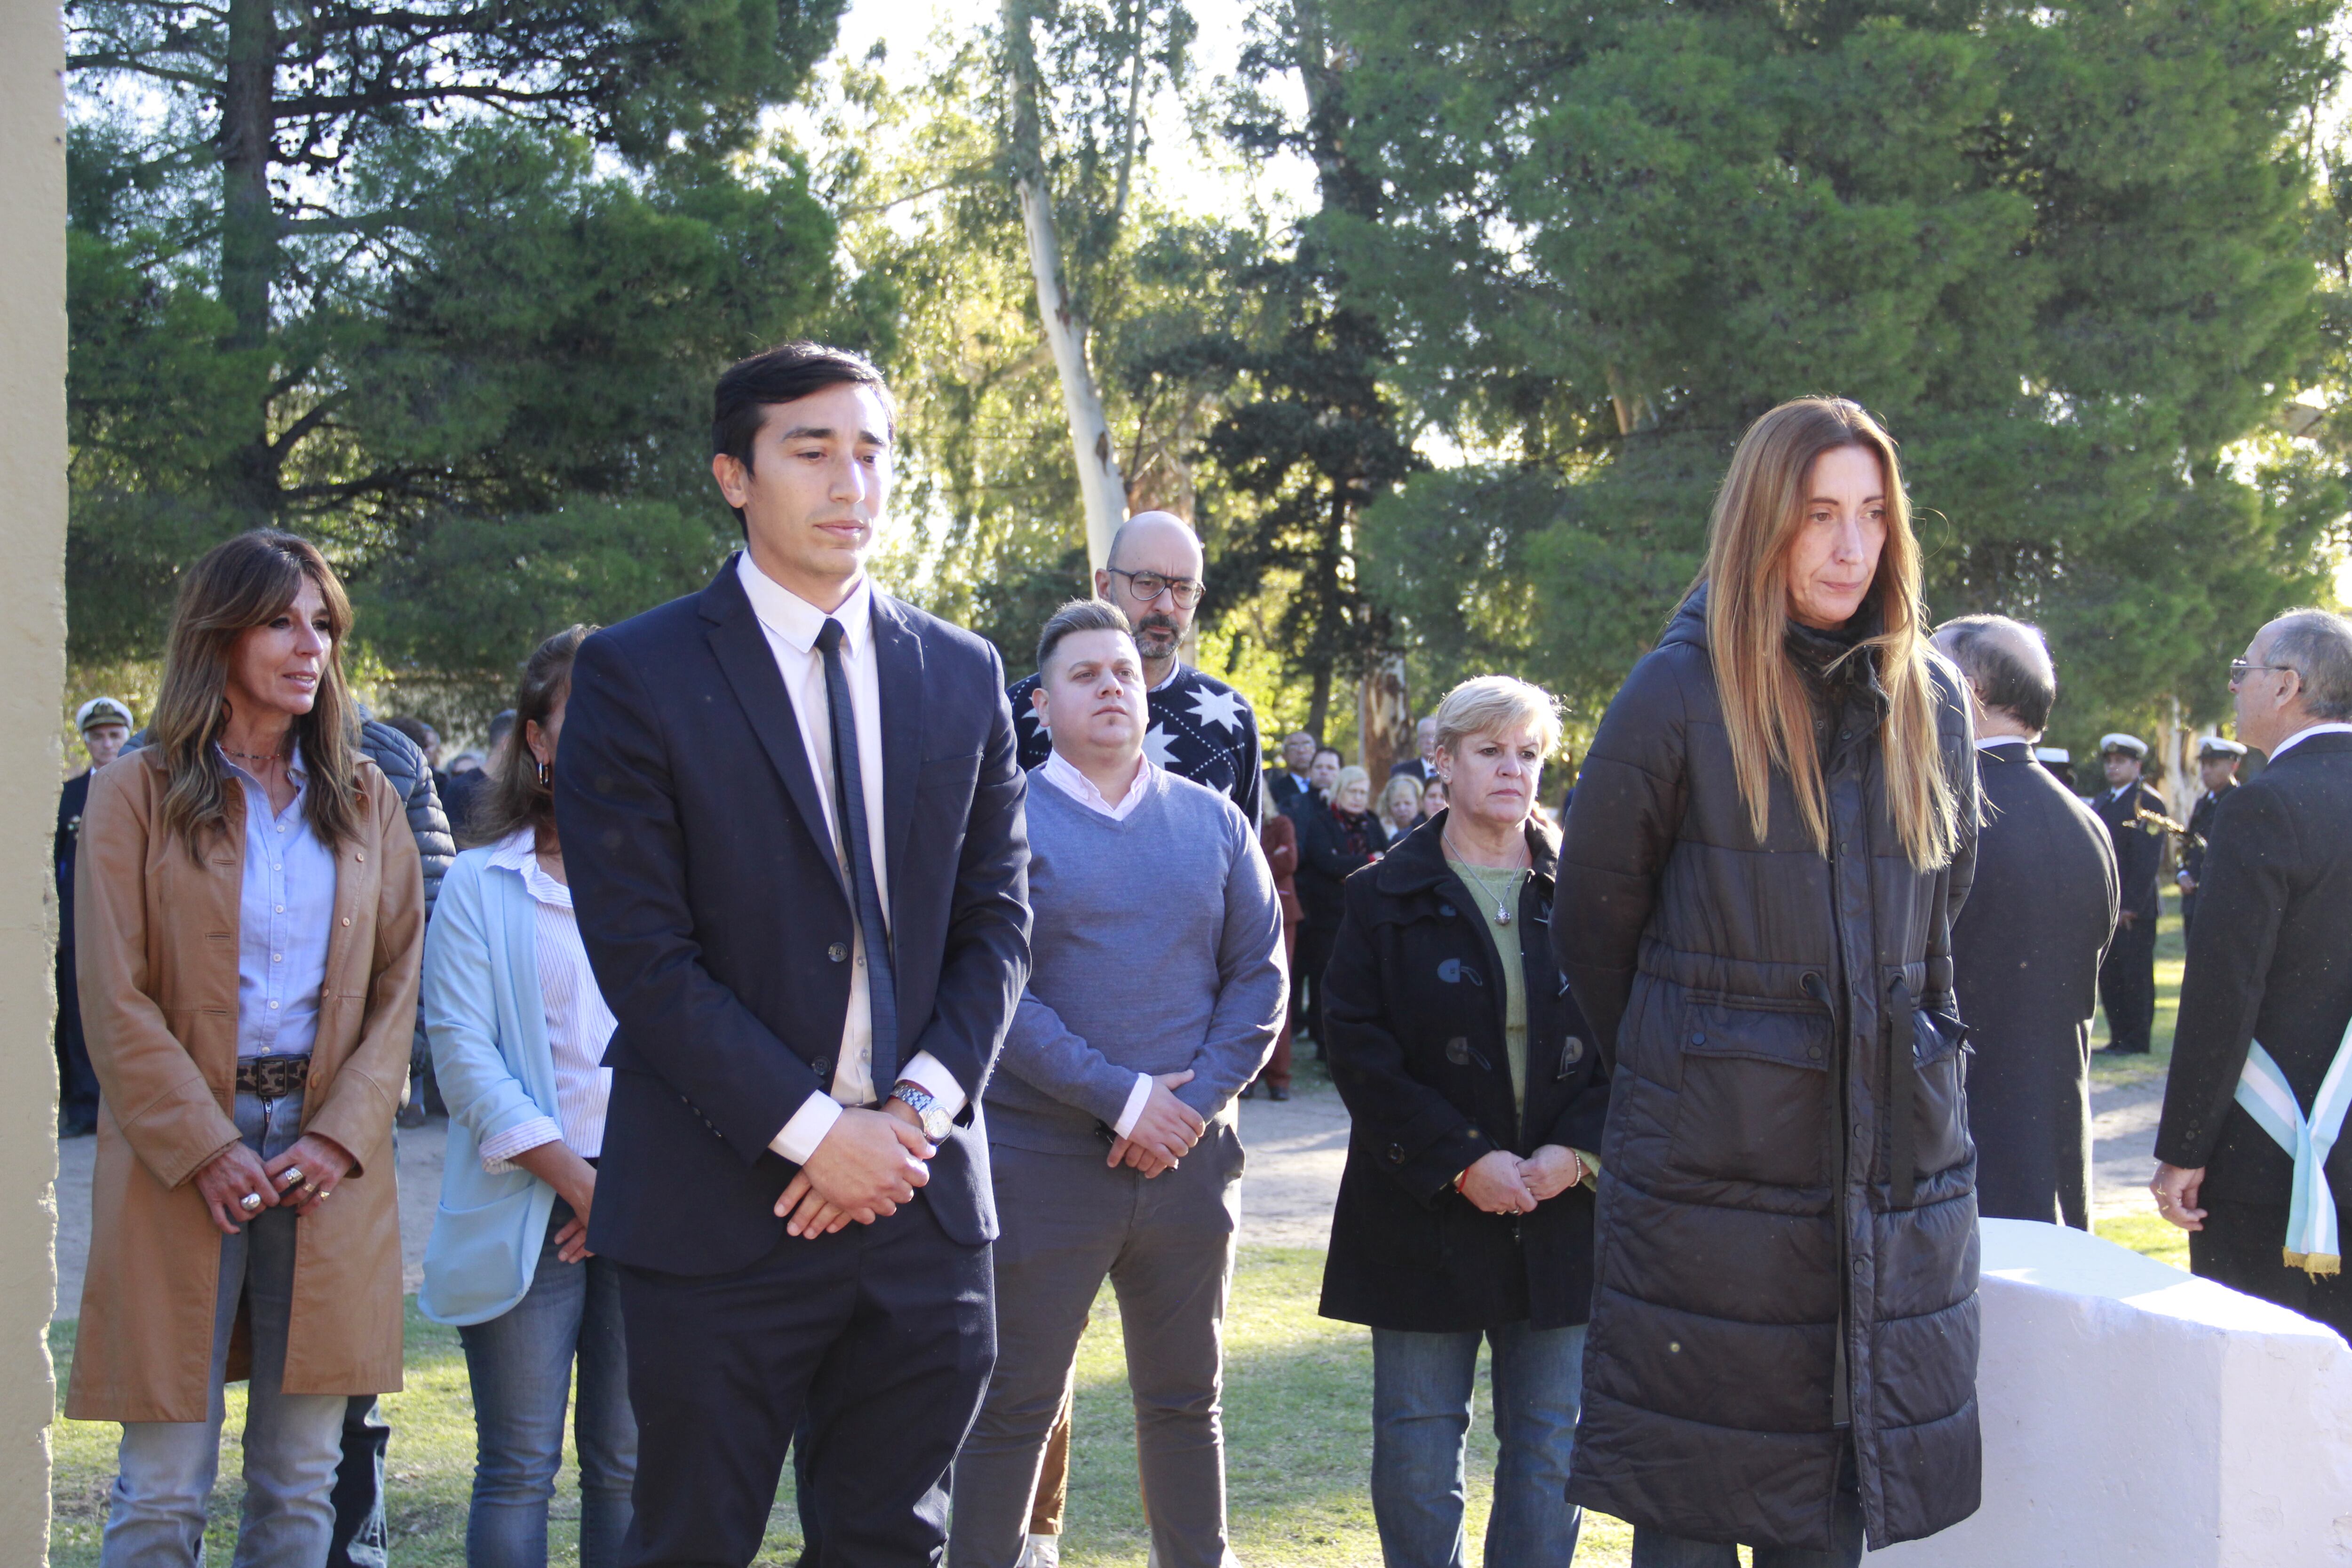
[2261, 1061]
[2026, 946]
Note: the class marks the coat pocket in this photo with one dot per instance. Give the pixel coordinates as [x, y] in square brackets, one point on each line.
[1940, 1110]
[1754, 1105]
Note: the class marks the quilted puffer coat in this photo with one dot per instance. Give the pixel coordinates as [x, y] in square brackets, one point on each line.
[1785, 1251]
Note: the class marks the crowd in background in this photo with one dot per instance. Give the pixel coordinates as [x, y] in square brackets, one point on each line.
[1664, 1098]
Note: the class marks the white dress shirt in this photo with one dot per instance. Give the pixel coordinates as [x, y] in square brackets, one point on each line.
[1062, 775]
[2305, 734]
[791, 624]
[579, 1024]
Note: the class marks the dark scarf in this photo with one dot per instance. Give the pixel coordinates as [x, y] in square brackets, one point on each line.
[1355, 830]
[1836, 674]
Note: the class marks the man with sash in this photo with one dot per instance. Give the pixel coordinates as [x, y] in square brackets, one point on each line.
[2262, 1073]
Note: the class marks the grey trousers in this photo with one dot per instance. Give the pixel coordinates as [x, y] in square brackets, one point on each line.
[1167, 1246]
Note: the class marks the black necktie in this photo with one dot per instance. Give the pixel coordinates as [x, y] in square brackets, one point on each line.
[849, 805]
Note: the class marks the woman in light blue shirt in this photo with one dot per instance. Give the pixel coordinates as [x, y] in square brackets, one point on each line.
[519, 1032]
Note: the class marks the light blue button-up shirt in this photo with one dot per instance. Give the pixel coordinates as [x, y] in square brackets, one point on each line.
[288, 907]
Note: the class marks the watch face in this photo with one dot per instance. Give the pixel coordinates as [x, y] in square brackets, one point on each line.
[936, 1125]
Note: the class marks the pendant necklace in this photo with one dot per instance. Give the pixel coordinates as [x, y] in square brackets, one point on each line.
[1503, 913]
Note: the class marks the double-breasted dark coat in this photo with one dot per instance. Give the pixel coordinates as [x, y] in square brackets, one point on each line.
[1415, 1017]
[1784, 1049]
[2025, 962]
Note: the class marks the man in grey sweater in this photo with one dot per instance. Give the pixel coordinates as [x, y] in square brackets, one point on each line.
[1156, 992]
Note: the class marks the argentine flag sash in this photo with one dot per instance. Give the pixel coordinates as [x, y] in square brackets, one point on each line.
[2263, 1089]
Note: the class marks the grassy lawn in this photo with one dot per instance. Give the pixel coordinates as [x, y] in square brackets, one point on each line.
[2122, 1072]
[1298, 1397]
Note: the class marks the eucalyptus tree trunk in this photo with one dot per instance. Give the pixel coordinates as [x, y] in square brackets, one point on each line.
[1101, 490]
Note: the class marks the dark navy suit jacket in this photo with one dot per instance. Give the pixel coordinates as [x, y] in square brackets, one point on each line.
[711, 906]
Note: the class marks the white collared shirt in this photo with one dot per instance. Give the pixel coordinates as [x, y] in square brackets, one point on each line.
[1060, 772]
[1064, 775]
[791, 623]
[579, 1024]
[2303, 734]
[1987, 742]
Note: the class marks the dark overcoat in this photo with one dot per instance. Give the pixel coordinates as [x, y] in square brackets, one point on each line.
[2139, 846]
[2025, 965]
[2192, 854]
[1784, 1049]
[2270, 959]
[1414, 1015]
[1325, 861]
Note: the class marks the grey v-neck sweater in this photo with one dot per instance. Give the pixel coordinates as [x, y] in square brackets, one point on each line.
[1156, 947]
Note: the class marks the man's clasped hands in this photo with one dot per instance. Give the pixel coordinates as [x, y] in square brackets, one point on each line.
[870, 1162]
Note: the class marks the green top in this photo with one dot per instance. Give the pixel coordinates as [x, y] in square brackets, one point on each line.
[1495, 891]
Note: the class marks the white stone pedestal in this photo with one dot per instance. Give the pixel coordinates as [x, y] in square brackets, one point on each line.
[2135, 1416]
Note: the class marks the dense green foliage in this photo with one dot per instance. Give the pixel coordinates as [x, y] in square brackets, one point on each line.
[446, 286]
[408, 279]
[2058, 250]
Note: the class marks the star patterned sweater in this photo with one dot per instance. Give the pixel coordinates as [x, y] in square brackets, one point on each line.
[1201, 729]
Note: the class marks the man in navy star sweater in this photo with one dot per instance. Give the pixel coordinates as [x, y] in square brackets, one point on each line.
[1200, 728]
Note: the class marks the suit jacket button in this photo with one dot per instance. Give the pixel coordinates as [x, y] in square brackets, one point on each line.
[823, 1068]
[1396, 1154]
[1457, 1050]
[1698, 1036]
[837, 952]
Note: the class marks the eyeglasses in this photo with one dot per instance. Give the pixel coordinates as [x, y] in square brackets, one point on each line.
[1149, 585]
[2242, 667]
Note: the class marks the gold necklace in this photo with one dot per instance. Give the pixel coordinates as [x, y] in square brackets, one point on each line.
[1503, 911]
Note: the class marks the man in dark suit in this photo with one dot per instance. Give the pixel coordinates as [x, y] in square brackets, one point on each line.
[2270, 965]
[2025, 950]
[1287, 787]
[1422, 767]
[2127, 975]
[799, 860]
[2217, 770]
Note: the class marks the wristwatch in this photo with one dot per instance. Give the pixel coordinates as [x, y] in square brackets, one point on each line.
[925, 1106]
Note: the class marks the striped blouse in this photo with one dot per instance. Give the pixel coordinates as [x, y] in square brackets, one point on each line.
[579, 1024]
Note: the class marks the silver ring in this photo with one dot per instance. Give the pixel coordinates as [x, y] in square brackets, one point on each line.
[250, 1203]
[289, 1175]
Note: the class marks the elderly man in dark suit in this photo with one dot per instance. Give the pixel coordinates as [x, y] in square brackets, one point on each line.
[2251, 1109]
[2025, 950]
[796, 844]
[2128, 975]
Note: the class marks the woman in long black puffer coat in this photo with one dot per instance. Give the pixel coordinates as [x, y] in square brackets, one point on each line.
[1773, 829]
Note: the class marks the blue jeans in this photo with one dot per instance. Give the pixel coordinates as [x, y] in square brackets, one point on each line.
[1657, 1549]
[520, 1363]
[156, 1516]
[1422, 1388]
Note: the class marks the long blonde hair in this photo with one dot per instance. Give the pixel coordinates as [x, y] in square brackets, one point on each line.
[235, 586]
[1766, 709]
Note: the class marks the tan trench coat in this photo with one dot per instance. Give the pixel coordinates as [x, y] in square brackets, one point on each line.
[156, 937]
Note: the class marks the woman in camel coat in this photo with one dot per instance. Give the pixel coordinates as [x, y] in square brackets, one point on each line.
[250, 1053]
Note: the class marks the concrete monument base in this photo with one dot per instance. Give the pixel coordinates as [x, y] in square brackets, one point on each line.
[2135, 1416]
